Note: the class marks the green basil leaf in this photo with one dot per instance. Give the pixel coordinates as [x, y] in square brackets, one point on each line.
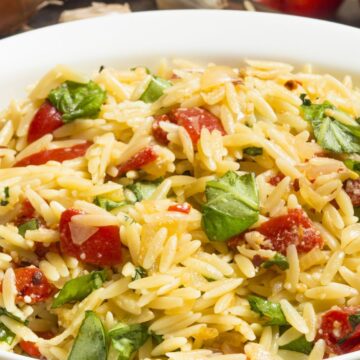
[5, 200]
[147, 70]
[3, 311]
[354, 320]
[155, 89]
[107, 204]
[279, 260]
[127, 339]
[158, 339]
[330, 134]
[140, 273]
[253, 151]
[144, 189]
[232, 206]
[352, 165]
[91, 342]
[32, 224]
[79, 288]
[77, 100]
[6, 335]
[270, 311]
[300, 345]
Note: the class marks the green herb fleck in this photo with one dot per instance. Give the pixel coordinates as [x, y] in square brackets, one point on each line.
[140, 273]
[352, 165]
[107, 204]
[300, 345]
[253, 151]
[278, 260]
[6, 335]
[5, 200]
[32, 224]
[144, 189]
[155, 89]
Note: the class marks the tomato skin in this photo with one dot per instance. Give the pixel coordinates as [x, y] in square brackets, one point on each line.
[31, 282]
[159, 134]
[137, 161]
[45, 121]
[336, 330]
[292, 228]
[352, 188]
[31, 348]
[274, 180]
[183, 208]
[60, 155]
[315, 8]
[194, 120]
[102, 248]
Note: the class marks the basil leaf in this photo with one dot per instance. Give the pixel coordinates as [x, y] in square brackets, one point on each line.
[127, 339]
[3, 311]
[143, 189]
[270, 311]
[232, 206]
[155, 89]
[79, 288]
[140, 272]
[157, 338]
[90, 343]
[77, 100]
[279, 260]
[352, 165]
[107, 204]
[300, 345]
[6, 335]
[354, 320]
[5, 200]
[147, 70]
[32, 224]
[253, 151]
[330, 134]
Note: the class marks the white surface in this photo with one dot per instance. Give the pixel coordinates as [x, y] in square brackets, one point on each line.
[143, 38]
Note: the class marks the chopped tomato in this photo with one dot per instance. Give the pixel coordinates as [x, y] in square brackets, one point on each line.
[41, 250]
[274, 180]
[46, 120]
[194, 120]
[31, 348]
[183, 208]
[159, 134]
[292, 228]
[136, 162]
[352, 188]
[340, 333]
[32, 284]
[235, 241]
[26, 213]
[60, 155]
[103, 248]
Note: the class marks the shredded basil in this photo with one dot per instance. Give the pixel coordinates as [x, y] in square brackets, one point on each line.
[5, 200]
[6, 335]
[232, 206]
[354, 320]
[32, 224]
[140, 273]
[144, 189]
[79, 288]
[3, 311]
[269, 310]
[155, 89]
[107, 204]
[126, 339]
[353, 165]
[253, 151]
[278, 260]
[77, 100]
[91, 342]
[300, 345]
[329, 133]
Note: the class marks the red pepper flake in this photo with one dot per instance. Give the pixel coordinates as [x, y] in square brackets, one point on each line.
[183, 208]
[274, 180]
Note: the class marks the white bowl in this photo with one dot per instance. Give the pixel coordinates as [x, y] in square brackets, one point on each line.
[143, 38]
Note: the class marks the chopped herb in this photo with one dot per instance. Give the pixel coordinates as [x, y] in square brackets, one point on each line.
[79, 288]
[91, 342]
[232, 206]
[329, 133]
[5, 200]
[352, 165]
[300, 345]
[3, 311]
[101, 68]
[77, 100]
[269, 310]
[32, 224]
[146, 69]
[127, 339]
[144, 189]
[157, 338]
[278, 260]
[107, 204]
[253, 151]
[155, 89]
[6, 335]
[354, 320]
[140, 273]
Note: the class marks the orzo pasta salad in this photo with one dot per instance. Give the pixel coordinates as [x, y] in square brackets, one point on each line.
[193, 212]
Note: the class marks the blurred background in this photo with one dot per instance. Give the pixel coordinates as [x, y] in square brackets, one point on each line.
[23, 15]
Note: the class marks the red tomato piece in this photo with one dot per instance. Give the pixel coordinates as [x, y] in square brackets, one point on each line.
[352, 188]
[26, 213]
[235, 241]
[274, 180]
[31, 348]
[102, 248]
[41, 250]
[159, 134]
[335, 328]
[292, 228]
[136, 162]
[32, 283]
[194, 120]
[183, 208]
[60, 155]
[46, 120]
